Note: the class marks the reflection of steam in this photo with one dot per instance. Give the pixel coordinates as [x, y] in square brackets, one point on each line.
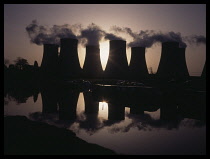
[146, 123]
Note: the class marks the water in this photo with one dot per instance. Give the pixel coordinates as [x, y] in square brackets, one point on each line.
[129, 123]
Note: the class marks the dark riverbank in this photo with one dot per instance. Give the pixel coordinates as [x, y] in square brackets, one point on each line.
[25, 137]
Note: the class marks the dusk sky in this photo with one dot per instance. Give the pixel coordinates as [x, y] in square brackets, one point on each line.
[186, 19]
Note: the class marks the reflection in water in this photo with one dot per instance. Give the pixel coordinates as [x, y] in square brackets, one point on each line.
[68, 104]
[49, 100]
[106, 119]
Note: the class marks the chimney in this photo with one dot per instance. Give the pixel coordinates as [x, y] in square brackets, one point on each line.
[92, 66]
[117, 65]
[49, 63]
[69, 61]
[168, 60]
[138, 67]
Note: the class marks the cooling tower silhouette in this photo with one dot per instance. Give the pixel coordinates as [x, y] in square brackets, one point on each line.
[49, 65]
[138, 67]
[182, 71]
[203, 75]
[92, 66]
[172, 62]
[68, 60]
[117, 65]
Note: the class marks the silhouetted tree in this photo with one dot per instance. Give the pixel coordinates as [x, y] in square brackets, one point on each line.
[11, 66]
[20, 63]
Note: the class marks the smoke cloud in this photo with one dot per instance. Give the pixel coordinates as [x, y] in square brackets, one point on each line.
[40, 34]
[110, 36]
[146, 38]
[196, 39]
[92, 34]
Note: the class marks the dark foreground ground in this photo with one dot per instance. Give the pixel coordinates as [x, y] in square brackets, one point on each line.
[25, 137]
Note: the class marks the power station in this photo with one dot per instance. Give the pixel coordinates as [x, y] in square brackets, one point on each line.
[138, 67]
[172, 63]
[92, 68]
[117, 64]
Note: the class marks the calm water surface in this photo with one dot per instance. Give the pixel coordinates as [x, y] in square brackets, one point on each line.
[126, 125]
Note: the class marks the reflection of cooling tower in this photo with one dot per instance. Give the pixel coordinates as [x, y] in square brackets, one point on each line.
[49, 100]
[68, 104]
[117, 65]
[172, 62]
[49, 63]
[91, 106]
[136, 110]
[92, 66]
[116, 112]
[69, 61]
[203, 75]
[138, 66]
[168, 112]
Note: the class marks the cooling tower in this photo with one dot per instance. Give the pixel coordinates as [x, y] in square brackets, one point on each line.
[69, 61]
[182, 71]
[49, 65]
[92, 68]
[117, 65]
[203, 75]
[138, 67]
[172, 62]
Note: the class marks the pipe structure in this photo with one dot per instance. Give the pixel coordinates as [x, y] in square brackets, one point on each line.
[49, 64]
[92, 68]
[68, 60]
[138, 67]
[117, 64]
